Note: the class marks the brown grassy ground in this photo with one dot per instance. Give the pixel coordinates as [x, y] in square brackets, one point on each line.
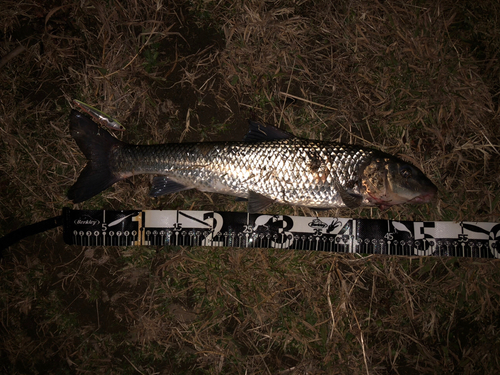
[419, 78]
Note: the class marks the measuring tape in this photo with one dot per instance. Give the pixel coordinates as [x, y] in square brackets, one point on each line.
[243, 230]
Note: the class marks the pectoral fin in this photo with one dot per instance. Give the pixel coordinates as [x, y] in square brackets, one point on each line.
[351, 200]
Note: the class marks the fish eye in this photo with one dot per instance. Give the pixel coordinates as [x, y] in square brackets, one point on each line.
[405, 171]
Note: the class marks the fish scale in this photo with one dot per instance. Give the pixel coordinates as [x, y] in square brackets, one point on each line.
[268, 166]
[293, 171]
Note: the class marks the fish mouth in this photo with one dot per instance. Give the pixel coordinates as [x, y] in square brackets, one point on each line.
[425, 197]
[393, 200]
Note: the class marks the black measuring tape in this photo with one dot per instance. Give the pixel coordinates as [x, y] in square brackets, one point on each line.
[243, 230]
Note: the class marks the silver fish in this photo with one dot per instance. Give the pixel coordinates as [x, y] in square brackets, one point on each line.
[269, 166]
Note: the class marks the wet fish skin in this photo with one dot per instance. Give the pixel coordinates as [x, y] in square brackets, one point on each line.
[270, 166]
[293, 171]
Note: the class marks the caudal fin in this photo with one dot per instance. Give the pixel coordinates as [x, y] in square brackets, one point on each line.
[97, 144]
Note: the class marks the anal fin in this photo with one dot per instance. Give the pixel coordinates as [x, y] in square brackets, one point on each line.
[258, 202]
[162, 186]
[319, 209]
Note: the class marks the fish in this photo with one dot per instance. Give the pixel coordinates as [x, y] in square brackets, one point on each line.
[269, 166]
[99, 116]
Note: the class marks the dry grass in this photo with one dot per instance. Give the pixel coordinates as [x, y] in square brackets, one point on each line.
[420, 79]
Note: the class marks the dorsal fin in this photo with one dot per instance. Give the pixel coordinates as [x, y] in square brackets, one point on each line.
[258, 133]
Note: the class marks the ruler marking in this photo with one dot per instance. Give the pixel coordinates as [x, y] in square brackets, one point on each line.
[342, 235]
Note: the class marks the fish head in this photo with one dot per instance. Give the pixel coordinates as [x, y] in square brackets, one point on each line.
[387, 181]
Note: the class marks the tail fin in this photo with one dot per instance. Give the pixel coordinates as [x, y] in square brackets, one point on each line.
[97, 144]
